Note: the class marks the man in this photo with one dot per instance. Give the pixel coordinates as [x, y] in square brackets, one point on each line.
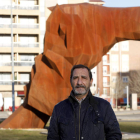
[83, 116]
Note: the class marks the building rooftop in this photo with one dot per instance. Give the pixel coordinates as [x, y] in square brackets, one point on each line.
[96, 1]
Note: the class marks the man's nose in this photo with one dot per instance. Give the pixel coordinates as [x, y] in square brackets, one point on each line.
[79, 82]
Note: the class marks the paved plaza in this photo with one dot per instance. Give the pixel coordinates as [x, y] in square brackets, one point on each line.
[125, 115]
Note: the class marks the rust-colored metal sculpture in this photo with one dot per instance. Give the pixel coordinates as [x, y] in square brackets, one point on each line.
[75, 34]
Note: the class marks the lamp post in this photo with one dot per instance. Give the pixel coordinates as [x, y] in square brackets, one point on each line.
[127, 88]
[12, 55]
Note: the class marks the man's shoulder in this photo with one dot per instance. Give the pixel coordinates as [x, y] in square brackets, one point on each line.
[62, 104]
[62, 107]
[100, 101]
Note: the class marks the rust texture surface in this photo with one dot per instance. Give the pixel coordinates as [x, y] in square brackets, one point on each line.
[75, 34]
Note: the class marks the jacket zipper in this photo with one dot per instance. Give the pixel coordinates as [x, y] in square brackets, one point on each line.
[79, 119]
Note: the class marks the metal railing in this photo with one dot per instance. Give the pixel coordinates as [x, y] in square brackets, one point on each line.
[20, 7]
[20, 44]
[23, 63]
[30, 45]
[18, 63]
[19, 25]
[5, 44]
[16, 82]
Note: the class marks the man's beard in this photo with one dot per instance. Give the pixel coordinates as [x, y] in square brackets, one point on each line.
[83, 91]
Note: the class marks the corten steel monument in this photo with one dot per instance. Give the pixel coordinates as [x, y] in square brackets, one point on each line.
[75, 34]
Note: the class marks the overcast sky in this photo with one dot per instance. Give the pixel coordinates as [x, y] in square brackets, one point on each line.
[121, 3]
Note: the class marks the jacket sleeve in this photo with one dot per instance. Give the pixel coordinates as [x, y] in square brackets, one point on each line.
[53, 133]
[112, 129]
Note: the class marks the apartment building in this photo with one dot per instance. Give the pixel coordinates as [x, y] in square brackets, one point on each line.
[119, 68]
[26, 30]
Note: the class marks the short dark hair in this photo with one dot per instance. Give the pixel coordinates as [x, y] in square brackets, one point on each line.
[80, 66]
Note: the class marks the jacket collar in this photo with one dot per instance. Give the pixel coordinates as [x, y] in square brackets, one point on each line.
[92, 100]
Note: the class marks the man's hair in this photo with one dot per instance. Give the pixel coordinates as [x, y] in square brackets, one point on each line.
[80, 66]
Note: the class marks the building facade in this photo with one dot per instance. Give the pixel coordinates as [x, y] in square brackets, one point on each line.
[120, 68]
[22, 19]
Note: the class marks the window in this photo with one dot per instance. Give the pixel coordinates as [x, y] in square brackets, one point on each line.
[114, 57]
[24, 77]
[5, 19]
[5, 57]
[7, 102]
[115, 47]
[27, 20]
[105, 58]
[125, 58]
[104, 69]
[105, 82]
[27, 57]
[5, 76]
[114, 68]
[125, 79]
[5, 2]
[125, 68]
[5, 39]
[125, 46]
[27, 39]
[27, 2]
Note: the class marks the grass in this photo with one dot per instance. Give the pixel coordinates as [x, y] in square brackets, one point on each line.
[131, 127]
[21, 135]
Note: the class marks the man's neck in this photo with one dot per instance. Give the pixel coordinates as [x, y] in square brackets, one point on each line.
[81, 97]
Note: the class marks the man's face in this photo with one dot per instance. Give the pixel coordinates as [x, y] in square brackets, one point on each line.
[80, 81]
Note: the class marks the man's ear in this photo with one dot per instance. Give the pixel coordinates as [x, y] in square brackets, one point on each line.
[91, 81]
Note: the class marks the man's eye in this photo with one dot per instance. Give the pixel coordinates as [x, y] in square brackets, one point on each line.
[84, 77]
[74, 77]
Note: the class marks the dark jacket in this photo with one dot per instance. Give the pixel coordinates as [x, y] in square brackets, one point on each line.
[94, 119]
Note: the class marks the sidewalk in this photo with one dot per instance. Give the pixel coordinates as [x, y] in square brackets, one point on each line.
[130, 135]
[126, 112]
[128, 115]
[125, 115]
[4, 115]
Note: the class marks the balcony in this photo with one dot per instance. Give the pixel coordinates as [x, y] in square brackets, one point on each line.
[16, 82]
[106, 84]
[29, 45]
[19, 25]
[20, 7]
[20, 44]
[17, 63]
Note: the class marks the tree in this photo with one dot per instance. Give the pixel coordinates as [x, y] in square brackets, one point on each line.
[134, 82]
[118, 86]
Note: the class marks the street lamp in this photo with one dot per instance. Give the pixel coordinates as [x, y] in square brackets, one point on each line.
[12, 55]
[127, 89]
